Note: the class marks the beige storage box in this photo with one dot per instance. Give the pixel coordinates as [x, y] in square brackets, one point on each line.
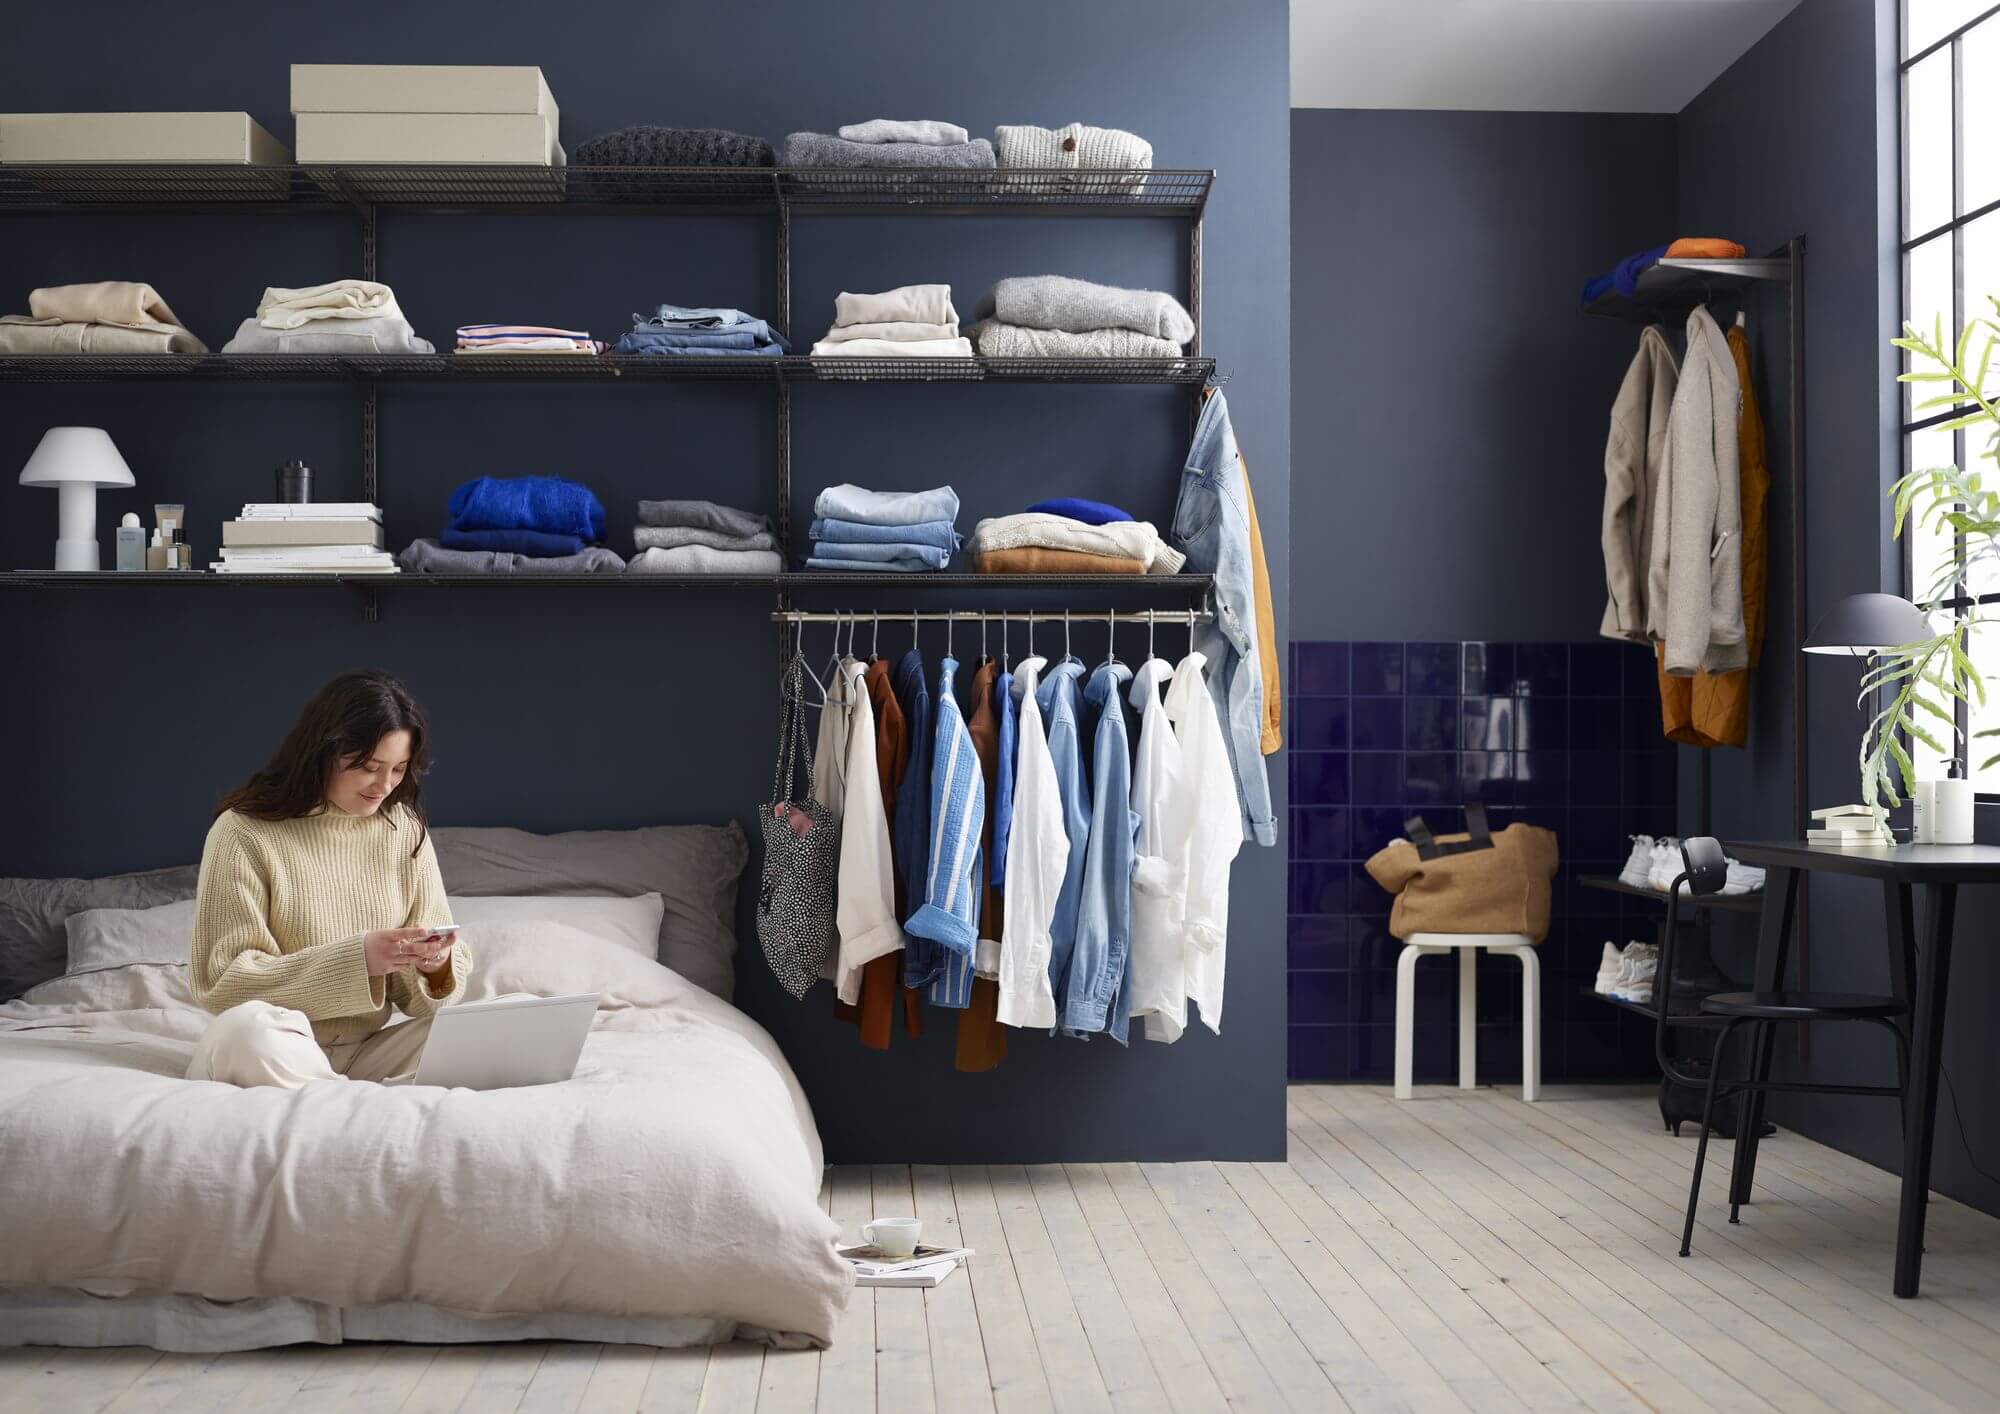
[190, 138]
[422, 88]
[445, 138]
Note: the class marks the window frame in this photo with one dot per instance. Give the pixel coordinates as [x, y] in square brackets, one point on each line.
[1954, 229]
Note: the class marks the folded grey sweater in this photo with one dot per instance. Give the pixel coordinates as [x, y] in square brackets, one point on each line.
[429, 557]
[1078, 306]
[699, 559]
[825, 150]
[672, 537]
[998, 340]
[703, 515]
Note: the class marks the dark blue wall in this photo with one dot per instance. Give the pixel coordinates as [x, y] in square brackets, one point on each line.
[128, 711]
[1450, 399]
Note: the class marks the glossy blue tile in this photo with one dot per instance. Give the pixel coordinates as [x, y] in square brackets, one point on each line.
[1375, 826]
[1320, 833]
[1430, 723]
[1639, 674]
[1487, 776]
[1434, 1053]
[1376, 723]
[1648, 777]
[1595, 670]
[1317, 997]
[1541, 777]
[1317, 1053]
[1543, 723]
[1378, 778]
[1593, 724]
[1320, 724]
[1371, 946]
[1641, 717]
[1319, 669]
[1431, 669]
[1319, 777]
[1594, 836]
[1377, 669]
[1317, 944]
[1430, 778]
[1318, 888]
[1542, 668]
[1488, 669]
[1594, 778]
[1487, 723]
[1364, 896]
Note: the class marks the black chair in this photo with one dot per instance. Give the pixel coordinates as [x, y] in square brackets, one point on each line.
[1706, 870]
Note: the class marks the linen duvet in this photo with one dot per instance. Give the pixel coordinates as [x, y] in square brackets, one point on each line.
[667, 1193]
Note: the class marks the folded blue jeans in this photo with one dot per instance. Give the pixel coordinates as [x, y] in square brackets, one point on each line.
[832, 531]
[685, 316]
[902, 566]
[929, 556]
[847, 502]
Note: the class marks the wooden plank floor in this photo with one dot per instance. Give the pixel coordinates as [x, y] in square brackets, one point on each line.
[1463, 1251]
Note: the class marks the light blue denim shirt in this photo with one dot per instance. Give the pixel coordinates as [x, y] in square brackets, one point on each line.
[1212, 527]
[1055, 696]
[944, 929]
[1100, 966]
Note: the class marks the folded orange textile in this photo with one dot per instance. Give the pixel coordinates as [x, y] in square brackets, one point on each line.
[1704, 248]
[1035, 559]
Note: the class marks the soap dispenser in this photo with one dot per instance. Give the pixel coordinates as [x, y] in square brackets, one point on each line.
[131, 543]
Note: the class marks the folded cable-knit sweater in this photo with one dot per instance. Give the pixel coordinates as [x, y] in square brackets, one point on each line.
[647, 146]
[1075, 145]
[1002, 340]
[825, 150]
[1079, 306]
[1118, 539]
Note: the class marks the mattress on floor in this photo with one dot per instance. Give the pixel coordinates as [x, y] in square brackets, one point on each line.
[670, 1188]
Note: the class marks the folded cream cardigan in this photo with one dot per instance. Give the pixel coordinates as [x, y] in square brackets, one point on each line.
[1118, 539]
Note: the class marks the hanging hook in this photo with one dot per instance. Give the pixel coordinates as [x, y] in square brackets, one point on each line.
[1031, 633]
[875, 638]
[1152, 622]
[913, 630]
[1004, 662]
[1066, 652]
[984, 619]
[950, 618]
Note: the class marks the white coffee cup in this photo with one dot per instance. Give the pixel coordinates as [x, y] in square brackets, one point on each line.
[896, 1237]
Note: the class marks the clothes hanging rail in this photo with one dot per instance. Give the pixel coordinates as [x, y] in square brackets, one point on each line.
[1079, 617]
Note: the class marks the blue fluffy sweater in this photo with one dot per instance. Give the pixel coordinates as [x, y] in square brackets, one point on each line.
[548, 504]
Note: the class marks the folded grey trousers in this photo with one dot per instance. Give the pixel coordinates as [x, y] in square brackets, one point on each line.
[672, 537]
[703, 515]
[825, 150]
[429, 557]
[1079, 306]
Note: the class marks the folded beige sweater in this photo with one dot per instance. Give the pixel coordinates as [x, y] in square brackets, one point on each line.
[1118, 539]
[128, 304]
[282, 308]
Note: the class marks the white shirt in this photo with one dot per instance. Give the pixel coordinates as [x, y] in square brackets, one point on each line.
[829, 771]
[1159, 869]
[1037, 856]
[865, 915]
[1214, 833]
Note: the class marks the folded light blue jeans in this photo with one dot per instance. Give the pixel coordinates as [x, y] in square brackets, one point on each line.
[929, 556]
[833, 531]
[848, 502]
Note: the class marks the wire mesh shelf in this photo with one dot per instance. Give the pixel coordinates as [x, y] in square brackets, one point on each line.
[1148, 192]
[1109, 584]
[200, 579]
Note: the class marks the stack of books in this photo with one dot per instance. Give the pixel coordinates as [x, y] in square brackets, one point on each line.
[271, 537]
[927, 1266]
[1851, 827]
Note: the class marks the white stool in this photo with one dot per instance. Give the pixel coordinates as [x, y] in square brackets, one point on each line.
[1467, 946]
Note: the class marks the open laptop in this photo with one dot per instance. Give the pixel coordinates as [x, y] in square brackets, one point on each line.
[507, 1042]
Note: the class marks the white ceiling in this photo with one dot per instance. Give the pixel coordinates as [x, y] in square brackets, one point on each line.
[1574, 56]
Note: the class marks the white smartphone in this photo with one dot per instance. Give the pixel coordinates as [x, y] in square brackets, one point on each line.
[443, 930]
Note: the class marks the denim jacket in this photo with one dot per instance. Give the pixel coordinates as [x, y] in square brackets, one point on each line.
[1056, 699]
[1099, 997]
[1212, 526]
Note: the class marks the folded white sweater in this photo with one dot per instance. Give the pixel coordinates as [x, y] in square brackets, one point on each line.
[906, 304]
[902, 330]
[337, 299]
[893, 348]
[1121, 539]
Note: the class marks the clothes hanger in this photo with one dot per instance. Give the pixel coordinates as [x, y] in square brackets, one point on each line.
[1111, 638]
[875, 639]
[1152, 622]
[1005, 665]
[1068, 657]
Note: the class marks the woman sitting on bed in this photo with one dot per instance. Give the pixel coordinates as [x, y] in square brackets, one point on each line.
[318, 893]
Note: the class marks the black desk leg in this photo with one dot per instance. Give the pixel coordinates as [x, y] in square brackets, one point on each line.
[1774, 939]
[1926, 1042]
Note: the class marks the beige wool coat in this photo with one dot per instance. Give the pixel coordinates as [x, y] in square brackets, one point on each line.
[1633, 455]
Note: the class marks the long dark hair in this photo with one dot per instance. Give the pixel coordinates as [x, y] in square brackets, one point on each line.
[339, 727]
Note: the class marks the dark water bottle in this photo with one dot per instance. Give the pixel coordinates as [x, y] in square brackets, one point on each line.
[295, 483]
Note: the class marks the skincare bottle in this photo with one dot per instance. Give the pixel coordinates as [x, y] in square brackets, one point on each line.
[1923, 812]
[182, 553]
[1951, 816]
[131, 543]
[167, 516]
[156, 550]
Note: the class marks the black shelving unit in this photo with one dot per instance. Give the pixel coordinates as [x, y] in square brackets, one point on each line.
[776, 193]
[1728, 903]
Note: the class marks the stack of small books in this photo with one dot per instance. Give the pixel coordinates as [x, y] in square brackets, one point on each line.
[329, 537]
[926, 1266]
[1851, 827]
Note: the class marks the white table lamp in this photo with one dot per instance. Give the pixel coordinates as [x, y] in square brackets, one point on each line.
[76, 461]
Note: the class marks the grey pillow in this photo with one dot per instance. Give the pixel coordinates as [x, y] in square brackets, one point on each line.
[693, 868]
[33, 945]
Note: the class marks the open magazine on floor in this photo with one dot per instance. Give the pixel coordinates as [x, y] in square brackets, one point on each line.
[926, 1266]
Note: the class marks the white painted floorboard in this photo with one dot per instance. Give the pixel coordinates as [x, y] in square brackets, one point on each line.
[1461, 1251]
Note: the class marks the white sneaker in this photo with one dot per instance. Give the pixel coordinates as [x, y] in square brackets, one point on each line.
[1666, 863]
[1637, 983]
[1742, 879]
[1608, 969]
[1639, 866]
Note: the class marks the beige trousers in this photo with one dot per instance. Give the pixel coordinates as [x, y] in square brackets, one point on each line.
[256, 1043]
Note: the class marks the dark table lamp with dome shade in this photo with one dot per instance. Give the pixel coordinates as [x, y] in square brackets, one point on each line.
[1862, 625]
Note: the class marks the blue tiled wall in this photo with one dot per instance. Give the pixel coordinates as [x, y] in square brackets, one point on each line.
[1565, 735]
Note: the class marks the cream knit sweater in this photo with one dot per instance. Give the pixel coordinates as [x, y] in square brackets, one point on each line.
[282, 906]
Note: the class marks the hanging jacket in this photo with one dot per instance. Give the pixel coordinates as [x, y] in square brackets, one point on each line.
[882, 988]
[1037, 862]
[1713, 709]
[1212, 526]
[1273, 732]
[1003, 777]
[865, 915]
[1057, 699]
[1161, 805]
[1694, 585]
[829, 776]
[1633, 454]
[911, 829]
[981, 1043]
[1099, 997]
[944, 930]
[1211, 845]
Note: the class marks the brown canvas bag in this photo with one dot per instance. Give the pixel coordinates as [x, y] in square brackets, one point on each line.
[1477, 882]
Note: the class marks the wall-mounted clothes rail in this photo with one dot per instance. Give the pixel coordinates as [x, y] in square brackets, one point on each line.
[1076, 617]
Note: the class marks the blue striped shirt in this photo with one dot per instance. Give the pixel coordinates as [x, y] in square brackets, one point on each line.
[945, 929]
